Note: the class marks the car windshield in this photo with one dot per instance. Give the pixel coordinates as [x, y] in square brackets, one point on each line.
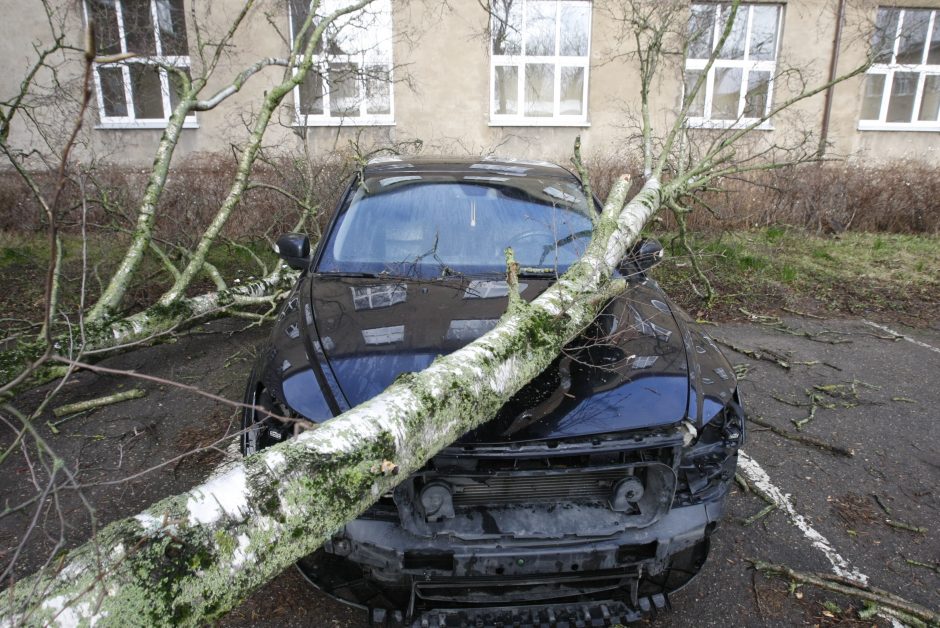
[442, 225]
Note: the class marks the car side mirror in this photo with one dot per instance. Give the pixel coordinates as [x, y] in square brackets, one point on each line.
[647, 253]
[294, 248]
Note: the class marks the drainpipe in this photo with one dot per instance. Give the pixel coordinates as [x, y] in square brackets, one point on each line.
[833, 68]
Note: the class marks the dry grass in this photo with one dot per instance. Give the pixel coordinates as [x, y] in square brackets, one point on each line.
[193, 194]
[903, 197]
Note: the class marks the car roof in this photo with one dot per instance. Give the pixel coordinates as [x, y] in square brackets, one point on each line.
[384, 166]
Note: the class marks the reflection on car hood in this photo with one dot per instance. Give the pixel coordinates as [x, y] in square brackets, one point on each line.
[629, 371]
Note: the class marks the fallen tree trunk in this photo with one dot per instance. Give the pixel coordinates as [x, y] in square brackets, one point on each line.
[149, 324]
[192, 557]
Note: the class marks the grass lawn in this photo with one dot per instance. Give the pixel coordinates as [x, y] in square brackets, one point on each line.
[778, 269]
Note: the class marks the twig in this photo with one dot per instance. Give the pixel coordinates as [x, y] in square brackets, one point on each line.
[91, 404]
[806, 314]
[801, 333]
[900, 525]
[799, 423]
[766, 510]
[881, 504]
[935, 567]
[802, 438]
[759, 354]
[851, 588]
[167, 382]
[761, 318]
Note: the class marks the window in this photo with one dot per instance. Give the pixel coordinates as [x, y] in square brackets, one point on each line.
[350, 81]
[139, 92]
[540, 62]
[739, 85]
[902, 87]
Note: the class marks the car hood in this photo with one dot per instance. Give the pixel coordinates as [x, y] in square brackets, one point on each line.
[340, 341]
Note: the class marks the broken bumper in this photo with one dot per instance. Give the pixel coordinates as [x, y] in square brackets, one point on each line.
[438, 581]
[609, 613]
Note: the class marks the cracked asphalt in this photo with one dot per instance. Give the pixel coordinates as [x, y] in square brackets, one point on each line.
[874, 394]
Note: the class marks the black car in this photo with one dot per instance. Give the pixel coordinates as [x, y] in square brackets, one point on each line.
[592, 495]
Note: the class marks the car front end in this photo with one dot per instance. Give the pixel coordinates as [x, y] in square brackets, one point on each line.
[593, 493]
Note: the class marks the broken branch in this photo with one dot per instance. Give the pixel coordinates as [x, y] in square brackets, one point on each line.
[851, 588]
[802, 438]
[91, 404]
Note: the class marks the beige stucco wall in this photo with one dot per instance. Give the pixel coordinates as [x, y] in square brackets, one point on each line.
[872, 145]
[442, 53]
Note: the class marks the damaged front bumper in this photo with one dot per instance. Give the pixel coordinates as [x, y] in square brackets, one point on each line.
[378, 565]
[549, 563]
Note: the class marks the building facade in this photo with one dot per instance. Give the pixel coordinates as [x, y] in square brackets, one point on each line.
[522, 79]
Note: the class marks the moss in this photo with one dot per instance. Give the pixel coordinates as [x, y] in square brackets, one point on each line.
[14, 361]
[178, 310]
[225, 542]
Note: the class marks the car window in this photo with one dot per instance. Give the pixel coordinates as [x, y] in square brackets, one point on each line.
[423, 226]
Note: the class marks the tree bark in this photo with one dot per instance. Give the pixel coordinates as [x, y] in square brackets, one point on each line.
[190, 558]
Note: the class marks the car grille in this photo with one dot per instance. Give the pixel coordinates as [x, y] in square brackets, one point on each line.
[581, 486]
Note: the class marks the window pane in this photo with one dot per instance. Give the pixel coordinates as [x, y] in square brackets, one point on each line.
[930, 101]
[901, 103]
[755, 100]
[342, 37]
[726, 94]
[507, 27]
[933, 55]
[298, 14]
[572, 91]
[311, 94]
[575, 29]
[871, 100]
[506, 90]
[373, 30]
[138, 27]
[697, 109]
[539, 89]
[146, 91]
[734, 45]
[886, 30]
[172, 22]
[378, 90]
[701, 30]
[344, 90]
[764, 32]
[913, 36]
[540, 27]
[112, 91]
[107, 36]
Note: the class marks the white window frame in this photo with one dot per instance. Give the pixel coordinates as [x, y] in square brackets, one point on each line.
[888, 69]
[131, 121]
[746, 65]
[519, 61]
[321, 65]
